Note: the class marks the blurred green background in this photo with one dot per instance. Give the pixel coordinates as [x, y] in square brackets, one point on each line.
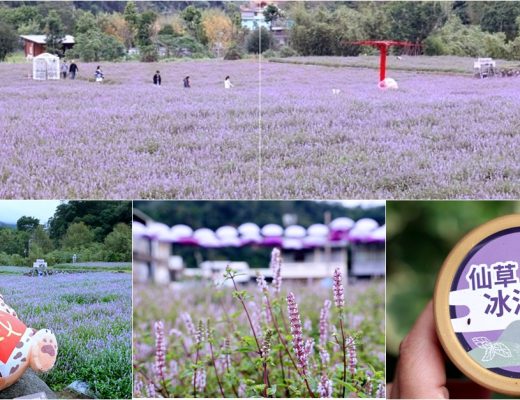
[420, 234]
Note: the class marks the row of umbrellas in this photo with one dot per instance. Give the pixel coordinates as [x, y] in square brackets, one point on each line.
[339, 232]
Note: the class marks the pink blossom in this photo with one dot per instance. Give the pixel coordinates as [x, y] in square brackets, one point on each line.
[324, 323]
[325, 387]
[296, 331]
[200, 379]
[339, 296]
[262, 284]
[160, 350]
[352, 354]
[276, 268]
[188, 323]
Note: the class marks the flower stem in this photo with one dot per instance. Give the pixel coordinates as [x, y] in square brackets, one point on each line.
[215, 367]
[247, 314]
[266, 383]
[287, 394]
[344, 355]
[195, 372]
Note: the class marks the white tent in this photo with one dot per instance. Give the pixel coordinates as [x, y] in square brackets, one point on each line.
[46, 66]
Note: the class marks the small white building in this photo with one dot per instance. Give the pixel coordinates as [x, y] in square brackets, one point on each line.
[46, 66]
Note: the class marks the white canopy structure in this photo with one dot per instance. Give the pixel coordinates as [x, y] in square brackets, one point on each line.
[181, 231]
[342, 224]
[272, 230]
[294, 237]
[295, 232]
[46, 67]
[308, 252]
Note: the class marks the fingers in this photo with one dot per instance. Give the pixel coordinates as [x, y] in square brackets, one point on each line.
[421, 372]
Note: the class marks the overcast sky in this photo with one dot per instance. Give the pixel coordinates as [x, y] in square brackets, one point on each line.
[12, 210]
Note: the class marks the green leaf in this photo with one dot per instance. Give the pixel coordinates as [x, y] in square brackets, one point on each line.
[271, 391]
[249, 340]
[347, 385]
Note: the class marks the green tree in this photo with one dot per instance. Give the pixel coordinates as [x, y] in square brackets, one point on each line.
[500, 16]
[118, 243]
[100, 216]
[27, 224]
[21, 15]
[455, 38]
[92, 44]
[414, 21]
[272, 14]
[96, 46]
[41, 238]
[233, 11]
[86, 23]
[193, 18]
[145, 28]
[13, 241]
[259, 41]
[78, 235]
[131, 17]
[8, 40]
[55, 32]
[325, 32]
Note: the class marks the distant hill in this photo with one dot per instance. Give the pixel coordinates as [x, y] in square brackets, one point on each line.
[7, 225]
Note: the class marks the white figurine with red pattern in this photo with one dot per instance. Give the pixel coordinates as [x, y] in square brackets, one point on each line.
[22, 347]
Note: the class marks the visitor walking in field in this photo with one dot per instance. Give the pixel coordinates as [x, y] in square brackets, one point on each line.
[99, 74]
[187, 82]
[64, 69]
[157, 78]
[227, 83]
[73, 70]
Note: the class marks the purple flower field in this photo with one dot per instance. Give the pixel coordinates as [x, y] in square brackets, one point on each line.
[90, 314]
[126, 138]
[438, 136]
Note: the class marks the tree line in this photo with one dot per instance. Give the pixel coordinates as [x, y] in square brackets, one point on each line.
[461, 28]
[92, 230]
[153, 30]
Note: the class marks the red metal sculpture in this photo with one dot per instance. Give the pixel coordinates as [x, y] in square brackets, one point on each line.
[383, 46]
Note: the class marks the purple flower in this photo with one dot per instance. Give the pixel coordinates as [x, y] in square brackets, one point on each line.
[325, 387]
[266, 344]
[324, 323]
[369, 387]
[200, 379]
[337, 287]
[262, 284]
[324, 356]
[138, 387]
[309, 347]
[190, 327]
[296, 331]
[174, 369]
[307, 325]
[242, 390]
[381, 392]
[151, 390]
[200, 334]
[276, 268]
[267, 311]
[255, 317]
[226, 354]
[352, 354]
[160, 351]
